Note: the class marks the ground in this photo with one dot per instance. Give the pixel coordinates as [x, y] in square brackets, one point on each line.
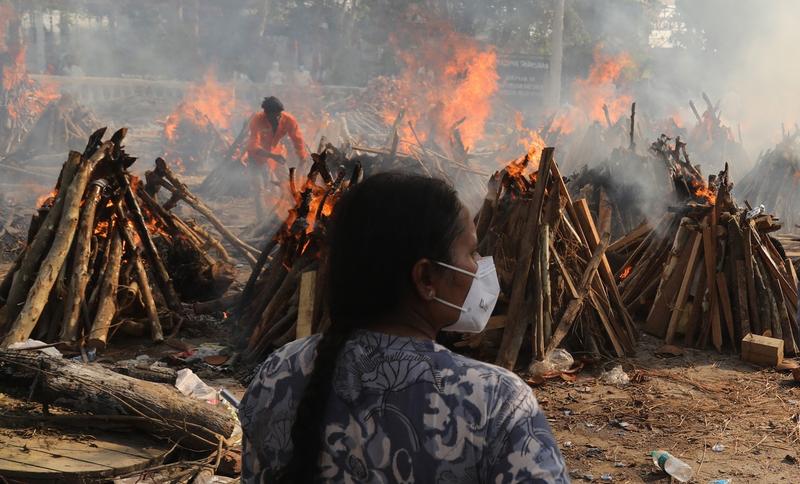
[687, 405]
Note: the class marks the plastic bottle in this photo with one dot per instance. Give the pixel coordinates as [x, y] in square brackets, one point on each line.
[672, 465]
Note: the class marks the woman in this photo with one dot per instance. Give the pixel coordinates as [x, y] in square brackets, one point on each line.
[374, 398]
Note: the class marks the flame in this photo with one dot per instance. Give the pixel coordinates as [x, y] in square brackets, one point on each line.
[207, 107]
[603, 86]
[447, 81]
[25, 97]
[701, 190]
[796, 177]
[625, 273]
[46, 199]
[101, 229]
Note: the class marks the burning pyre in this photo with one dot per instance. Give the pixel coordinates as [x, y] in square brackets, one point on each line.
[710, 271]
[104, 256]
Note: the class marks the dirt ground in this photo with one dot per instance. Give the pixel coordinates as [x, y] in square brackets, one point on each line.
[687, 405]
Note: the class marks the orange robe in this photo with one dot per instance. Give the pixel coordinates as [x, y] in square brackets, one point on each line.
[263, 137]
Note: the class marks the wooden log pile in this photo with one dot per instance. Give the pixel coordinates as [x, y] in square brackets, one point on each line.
[100, 394]
[773, 182]
[557, 285]
[709, 272]
[64, 124]
[104, 255]
[284, 298]
[191, 139]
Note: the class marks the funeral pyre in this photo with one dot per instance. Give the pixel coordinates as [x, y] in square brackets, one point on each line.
[773, 182]
[104, 256]
[708, 271]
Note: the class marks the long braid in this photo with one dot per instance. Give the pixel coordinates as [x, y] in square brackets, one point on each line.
[308, 425]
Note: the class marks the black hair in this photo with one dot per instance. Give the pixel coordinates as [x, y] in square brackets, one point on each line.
[272, 104]
[380, 229]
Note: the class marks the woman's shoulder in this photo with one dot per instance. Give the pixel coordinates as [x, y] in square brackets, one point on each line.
[503, 379]
[291, 357]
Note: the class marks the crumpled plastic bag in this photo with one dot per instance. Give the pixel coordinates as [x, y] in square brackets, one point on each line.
[556, 361]
[33, 343]
[192, 386]
[615, 376]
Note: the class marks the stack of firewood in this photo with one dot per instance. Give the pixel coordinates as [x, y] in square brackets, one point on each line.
[95, 247]
[774, 181]
[557, 285]
[191, 140]
[710, 271]
[284, 297]
[64, 124]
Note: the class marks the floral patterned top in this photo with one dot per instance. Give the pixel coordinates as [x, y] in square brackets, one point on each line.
[402, 410]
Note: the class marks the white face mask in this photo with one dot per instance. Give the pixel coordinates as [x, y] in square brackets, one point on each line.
[481, 298]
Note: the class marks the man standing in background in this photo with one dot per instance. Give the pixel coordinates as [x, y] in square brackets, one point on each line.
[264, 148]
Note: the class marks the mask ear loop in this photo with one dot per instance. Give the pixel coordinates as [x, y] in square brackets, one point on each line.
[458, 269]
[442, 301]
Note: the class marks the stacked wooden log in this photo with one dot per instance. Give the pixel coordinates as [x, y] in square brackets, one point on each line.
[557, 285]
[774, 181]
[64, 124]
[279, 302]
[191, 140]
[710, 271]
[624, 190]
[103, 254]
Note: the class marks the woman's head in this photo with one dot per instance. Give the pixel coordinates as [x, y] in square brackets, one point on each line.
[387, 235]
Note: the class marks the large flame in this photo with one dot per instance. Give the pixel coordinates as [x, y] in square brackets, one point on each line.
[602, 87]
[23, 98]
[447, 81]
[207, 102]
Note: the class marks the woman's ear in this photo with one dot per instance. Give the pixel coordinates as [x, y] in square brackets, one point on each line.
[422, 278]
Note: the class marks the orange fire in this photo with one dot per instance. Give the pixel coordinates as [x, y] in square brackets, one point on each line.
[625, 273]
[701, 190]
[796, 177]
[448, 80]
[101, 229]
[208, 106]
[602, 87]
[46, 199]
[208, 102]
[26, 97]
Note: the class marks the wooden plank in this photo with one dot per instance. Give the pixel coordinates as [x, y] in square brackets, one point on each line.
[694, 320]
[683, 292]
[574, 307]
[752, 294]
[670, 281]
[573, 291]
[517, 319]
[762, 350]
[600, 307]
[630, 238]
[628, 332]
[725, 304]
[305, 306]
[710, 256]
